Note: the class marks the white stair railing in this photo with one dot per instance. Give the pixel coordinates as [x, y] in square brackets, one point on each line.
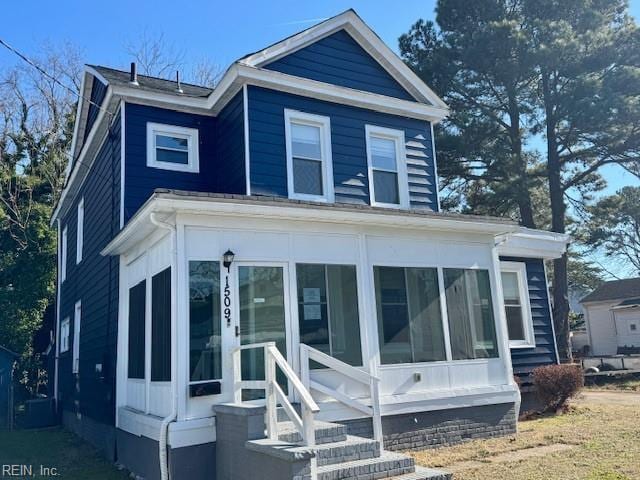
[273, 392]
[308, 354]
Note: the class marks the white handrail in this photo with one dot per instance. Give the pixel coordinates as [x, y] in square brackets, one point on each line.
[308, 353]
[273, 392]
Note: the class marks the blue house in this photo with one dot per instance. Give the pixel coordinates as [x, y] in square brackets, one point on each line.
[257, 281]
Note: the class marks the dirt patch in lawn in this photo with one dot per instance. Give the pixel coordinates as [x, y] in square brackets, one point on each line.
[597, 439]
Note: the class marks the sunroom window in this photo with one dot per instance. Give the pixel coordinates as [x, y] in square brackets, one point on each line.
[170, 147]
[205, 345]
[470, 312]
[409, 315]
[516, 304]
[137, 329]
[309, 171]
[328, 310]
[387, 172]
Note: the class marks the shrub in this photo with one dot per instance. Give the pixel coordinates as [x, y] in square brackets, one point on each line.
[556, 384]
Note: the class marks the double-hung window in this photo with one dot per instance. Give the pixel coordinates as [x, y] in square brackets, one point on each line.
[63, 255]
[64, 335]
[76, 336]
[170, 147]
[80, 231]
[516, 304]
[309, 169]
[388, 184]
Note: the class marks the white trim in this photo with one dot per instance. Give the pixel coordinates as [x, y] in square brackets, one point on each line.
[189, 134]
[65, 330]
[57, 326]
[77, 321]
[122, 160]
[247, 148]
[80, 231]
[436, 179]
[365, 37]
[397, 136]
[324, 124]
[553, 323]
[64, 249]
[520, 269]
[140, 226]
[530, 243]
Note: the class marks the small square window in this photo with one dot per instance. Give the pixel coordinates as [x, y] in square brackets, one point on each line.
[309, 169]
[633, 327]
[172, 148]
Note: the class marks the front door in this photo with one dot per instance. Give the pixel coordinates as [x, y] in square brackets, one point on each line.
[262, 317]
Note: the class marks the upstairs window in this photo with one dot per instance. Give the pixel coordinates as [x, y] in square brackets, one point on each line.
[388, 182]
[80, 231]
[63, 255]
[76, 337]
[64, 335]
[309, 170]
[172, 148]
[516, 304]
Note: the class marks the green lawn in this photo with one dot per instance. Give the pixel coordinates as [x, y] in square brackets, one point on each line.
[55, 447]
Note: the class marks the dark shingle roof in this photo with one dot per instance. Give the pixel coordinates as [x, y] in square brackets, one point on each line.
[630, 302]
[616, 290]
[153, 84]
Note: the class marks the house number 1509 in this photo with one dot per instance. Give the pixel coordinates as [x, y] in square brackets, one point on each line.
[227, 301]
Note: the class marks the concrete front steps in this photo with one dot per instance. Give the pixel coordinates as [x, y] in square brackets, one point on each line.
[340, 456]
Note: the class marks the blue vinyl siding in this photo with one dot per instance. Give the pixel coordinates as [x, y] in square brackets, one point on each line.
[140, 180]
[230, 148]
[98, 92]
[268, 167]
[338, 59]
[524, 360]
[95, 283]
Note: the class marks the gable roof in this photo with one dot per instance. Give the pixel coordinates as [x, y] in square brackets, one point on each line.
[363, 35]
[628, 288]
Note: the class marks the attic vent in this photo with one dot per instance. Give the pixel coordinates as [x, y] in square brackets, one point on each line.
[133, 78]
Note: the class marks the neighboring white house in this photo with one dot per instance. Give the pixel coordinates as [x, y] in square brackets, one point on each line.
[612, 316]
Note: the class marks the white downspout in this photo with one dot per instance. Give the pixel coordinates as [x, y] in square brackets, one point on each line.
[164, 426]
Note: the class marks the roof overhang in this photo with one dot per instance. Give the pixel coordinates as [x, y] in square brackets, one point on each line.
[529, 243]
[168, 205]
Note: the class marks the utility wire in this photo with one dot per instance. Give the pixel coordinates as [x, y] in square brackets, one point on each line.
[74, 160]
[51, 77]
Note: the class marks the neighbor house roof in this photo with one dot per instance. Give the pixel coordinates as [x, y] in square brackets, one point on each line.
[152, 84]
[628, 288]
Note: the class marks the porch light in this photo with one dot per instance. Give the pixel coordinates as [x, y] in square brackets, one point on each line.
[227, 259]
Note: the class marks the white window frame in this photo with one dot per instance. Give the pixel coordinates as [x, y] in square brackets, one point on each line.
[324, 123]
[63, 344]
[80, 231]
[401, 164]
[77, 317]
[190, 134]
[63, 254]
[520, 269]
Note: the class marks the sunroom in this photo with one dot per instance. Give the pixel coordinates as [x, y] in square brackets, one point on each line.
[377, 313]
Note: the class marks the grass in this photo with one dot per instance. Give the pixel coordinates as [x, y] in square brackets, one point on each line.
[55, 447]
[606, 440]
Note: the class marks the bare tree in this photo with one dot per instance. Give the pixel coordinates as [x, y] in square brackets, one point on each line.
[157, 57]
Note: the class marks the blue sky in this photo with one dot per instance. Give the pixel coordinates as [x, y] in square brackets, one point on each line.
[220, 31]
